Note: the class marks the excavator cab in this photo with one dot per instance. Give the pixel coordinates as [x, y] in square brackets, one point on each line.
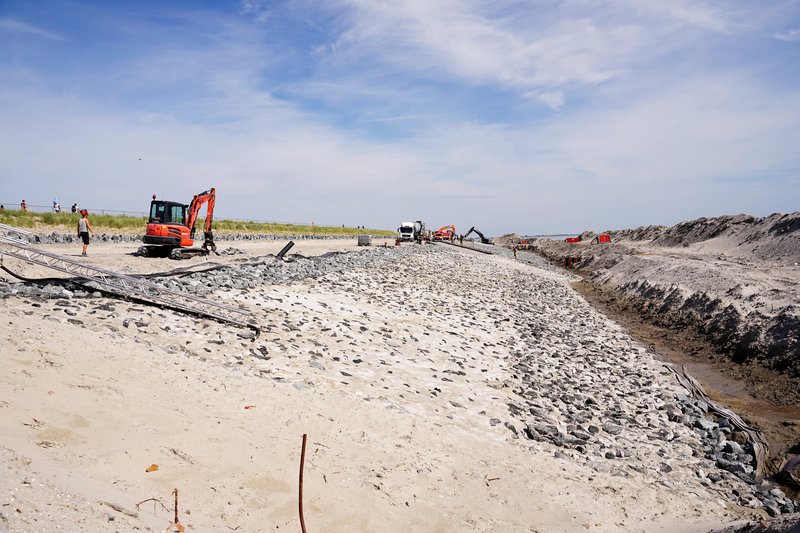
[164, 212]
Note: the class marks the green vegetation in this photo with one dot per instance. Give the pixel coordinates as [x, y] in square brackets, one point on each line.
[60, 221]
[277, 228]
[134, 224]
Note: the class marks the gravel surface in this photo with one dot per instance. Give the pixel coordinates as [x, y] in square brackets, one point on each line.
[508, 342]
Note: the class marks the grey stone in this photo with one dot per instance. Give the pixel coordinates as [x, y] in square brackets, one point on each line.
[703, 423]
[772, 510]
[733, 447]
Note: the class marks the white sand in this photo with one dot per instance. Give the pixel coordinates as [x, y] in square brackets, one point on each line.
[86, 408]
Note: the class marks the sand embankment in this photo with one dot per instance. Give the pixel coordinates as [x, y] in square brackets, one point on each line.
[735, 280]
[441, 390]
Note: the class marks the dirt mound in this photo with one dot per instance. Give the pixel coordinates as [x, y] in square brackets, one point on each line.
[734, 279]
[642, 233]
[775, 237]
[508, 239]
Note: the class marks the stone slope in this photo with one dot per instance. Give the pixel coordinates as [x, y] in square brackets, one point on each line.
[735, 279]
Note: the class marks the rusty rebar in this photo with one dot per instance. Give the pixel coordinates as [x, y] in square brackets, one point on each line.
[300, 500]
[175, 492]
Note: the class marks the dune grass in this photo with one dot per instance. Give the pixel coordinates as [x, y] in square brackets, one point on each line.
[49, 221]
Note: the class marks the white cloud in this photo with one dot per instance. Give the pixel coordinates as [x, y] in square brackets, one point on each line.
[669, 154]
[690, 13]
[788, 35]
[258, 9]
[12, 26]
[553, 99]
[201, 113]
[457, 38]
[535, 48]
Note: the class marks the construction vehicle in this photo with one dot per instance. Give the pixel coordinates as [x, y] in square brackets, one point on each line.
[445, 233]
[406, 231]
[484, 240]
[420, 233]
[171, 227]
[413, 231]
[425, 235]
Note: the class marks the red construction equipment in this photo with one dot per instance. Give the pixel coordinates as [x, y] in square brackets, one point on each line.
[573, 239]
[444, 234]
[171, 227]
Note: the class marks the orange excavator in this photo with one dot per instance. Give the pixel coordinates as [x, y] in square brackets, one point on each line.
[444, 234]
[171, 227]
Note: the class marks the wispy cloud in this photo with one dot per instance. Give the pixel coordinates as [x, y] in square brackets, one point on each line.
[567, 115]
[258, 9]
[458, 38]
[18, 27]
[541, 49]
[690, 13]
[788, 35]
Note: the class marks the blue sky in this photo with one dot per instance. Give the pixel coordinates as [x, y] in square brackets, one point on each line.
[525, 116]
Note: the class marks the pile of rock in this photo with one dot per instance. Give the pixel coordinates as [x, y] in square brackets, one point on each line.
[266, 272]
[66, 238]
[586, 388]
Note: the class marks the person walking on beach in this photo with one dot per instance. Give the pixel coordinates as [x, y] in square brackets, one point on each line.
[84, 228]
[515, 252]
[23, 205]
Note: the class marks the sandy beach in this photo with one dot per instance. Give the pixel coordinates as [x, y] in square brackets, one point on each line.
[440, 389]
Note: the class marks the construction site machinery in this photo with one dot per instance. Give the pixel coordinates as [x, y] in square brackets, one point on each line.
[172, 225]
[420, 233]
[405, 233]
[412, 231]
[445, 233]
[484, 240]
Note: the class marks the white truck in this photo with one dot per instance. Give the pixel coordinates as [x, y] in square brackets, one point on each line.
[406, 231]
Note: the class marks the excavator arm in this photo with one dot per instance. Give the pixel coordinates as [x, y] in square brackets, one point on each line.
[484, 240]
[452, 229]
[209, 197]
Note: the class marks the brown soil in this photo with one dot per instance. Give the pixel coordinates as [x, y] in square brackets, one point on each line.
[766, 399]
